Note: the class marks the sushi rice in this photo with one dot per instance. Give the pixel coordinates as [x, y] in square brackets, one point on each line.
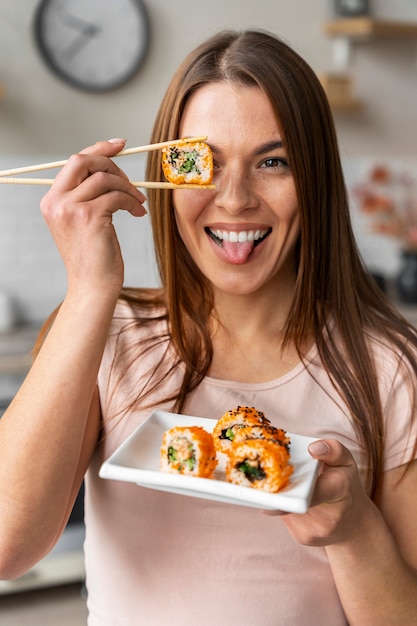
[189, 163]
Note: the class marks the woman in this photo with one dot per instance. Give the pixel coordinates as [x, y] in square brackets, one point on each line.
[286, 320]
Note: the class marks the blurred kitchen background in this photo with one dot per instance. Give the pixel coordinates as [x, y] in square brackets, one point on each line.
[369, 68]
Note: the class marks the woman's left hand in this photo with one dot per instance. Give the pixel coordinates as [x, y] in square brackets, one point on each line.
[339, 499]
[357, 538]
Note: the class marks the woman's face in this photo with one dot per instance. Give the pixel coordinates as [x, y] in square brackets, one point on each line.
[242, 234]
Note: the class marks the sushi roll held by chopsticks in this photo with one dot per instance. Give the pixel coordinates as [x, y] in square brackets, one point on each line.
[188, 450]
[188, 163]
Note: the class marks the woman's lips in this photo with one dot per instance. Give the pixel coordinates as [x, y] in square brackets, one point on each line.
[237, 245]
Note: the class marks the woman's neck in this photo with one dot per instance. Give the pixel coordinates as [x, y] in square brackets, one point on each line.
[248, 333]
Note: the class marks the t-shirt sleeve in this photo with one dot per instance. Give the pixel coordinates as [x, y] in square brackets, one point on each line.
[400, 420]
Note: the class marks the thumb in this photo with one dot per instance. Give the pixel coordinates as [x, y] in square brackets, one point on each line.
[318, 449]
[331, 452]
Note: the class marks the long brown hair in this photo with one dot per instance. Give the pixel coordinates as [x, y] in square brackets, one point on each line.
[332, 286]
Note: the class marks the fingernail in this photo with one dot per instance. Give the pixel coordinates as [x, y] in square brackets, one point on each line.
[318, 448]
[117, 140]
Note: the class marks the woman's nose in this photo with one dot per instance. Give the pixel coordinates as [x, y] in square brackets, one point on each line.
[234, 192]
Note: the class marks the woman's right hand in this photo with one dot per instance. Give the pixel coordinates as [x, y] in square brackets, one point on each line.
[78, 210]
[50, 430]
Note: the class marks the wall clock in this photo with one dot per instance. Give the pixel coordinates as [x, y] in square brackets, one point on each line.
[94, 45]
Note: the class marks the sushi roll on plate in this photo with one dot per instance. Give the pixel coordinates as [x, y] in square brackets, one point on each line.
[260, 464]
[232, 421]
[188, 450]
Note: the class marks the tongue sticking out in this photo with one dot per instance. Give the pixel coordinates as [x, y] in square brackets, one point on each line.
[237, 252]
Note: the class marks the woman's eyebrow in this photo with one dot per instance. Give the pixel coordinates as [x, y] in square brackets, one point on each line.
[267, 147]
[276, 144]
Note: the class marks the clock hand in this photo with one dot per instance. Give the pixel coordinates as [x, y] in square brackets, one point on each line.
[87, 33]
[75, 22]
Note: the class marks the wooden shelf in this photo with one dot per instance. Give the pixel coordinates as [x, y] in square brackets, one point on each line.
[339, 87]
[365, 27]
[345, 105]
[345, 32]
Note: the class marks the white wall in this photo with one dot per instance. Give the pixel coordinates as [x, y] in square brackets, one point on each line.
[31, 271]
[42, 115]
[41, 118]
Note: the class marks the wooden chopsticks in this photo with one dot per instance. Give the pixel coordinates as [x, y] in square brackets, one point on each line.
[8, 176]
[140, 184]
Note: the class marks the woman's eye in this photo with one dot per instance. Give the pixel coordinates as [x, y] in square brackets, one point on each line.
[275, 162]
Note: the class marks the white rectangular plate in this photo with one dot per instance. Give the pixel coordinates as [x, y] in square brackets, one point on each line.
[137, 461]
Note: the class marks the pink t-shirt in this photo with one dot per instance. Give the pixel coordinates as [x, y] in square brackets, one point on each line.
[157, 559]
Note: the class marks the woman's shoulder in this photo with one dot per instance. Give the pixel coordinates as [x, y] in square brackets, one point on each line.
[390, 349]
[138, 335]
[139, 317]
[395, 365]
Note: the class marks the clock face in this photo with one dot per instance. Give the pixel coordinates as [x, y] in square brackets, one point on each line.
[94, 45]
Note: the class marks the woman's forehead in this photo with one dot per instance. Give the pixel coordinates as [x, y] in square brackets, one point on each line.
[225, 109]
